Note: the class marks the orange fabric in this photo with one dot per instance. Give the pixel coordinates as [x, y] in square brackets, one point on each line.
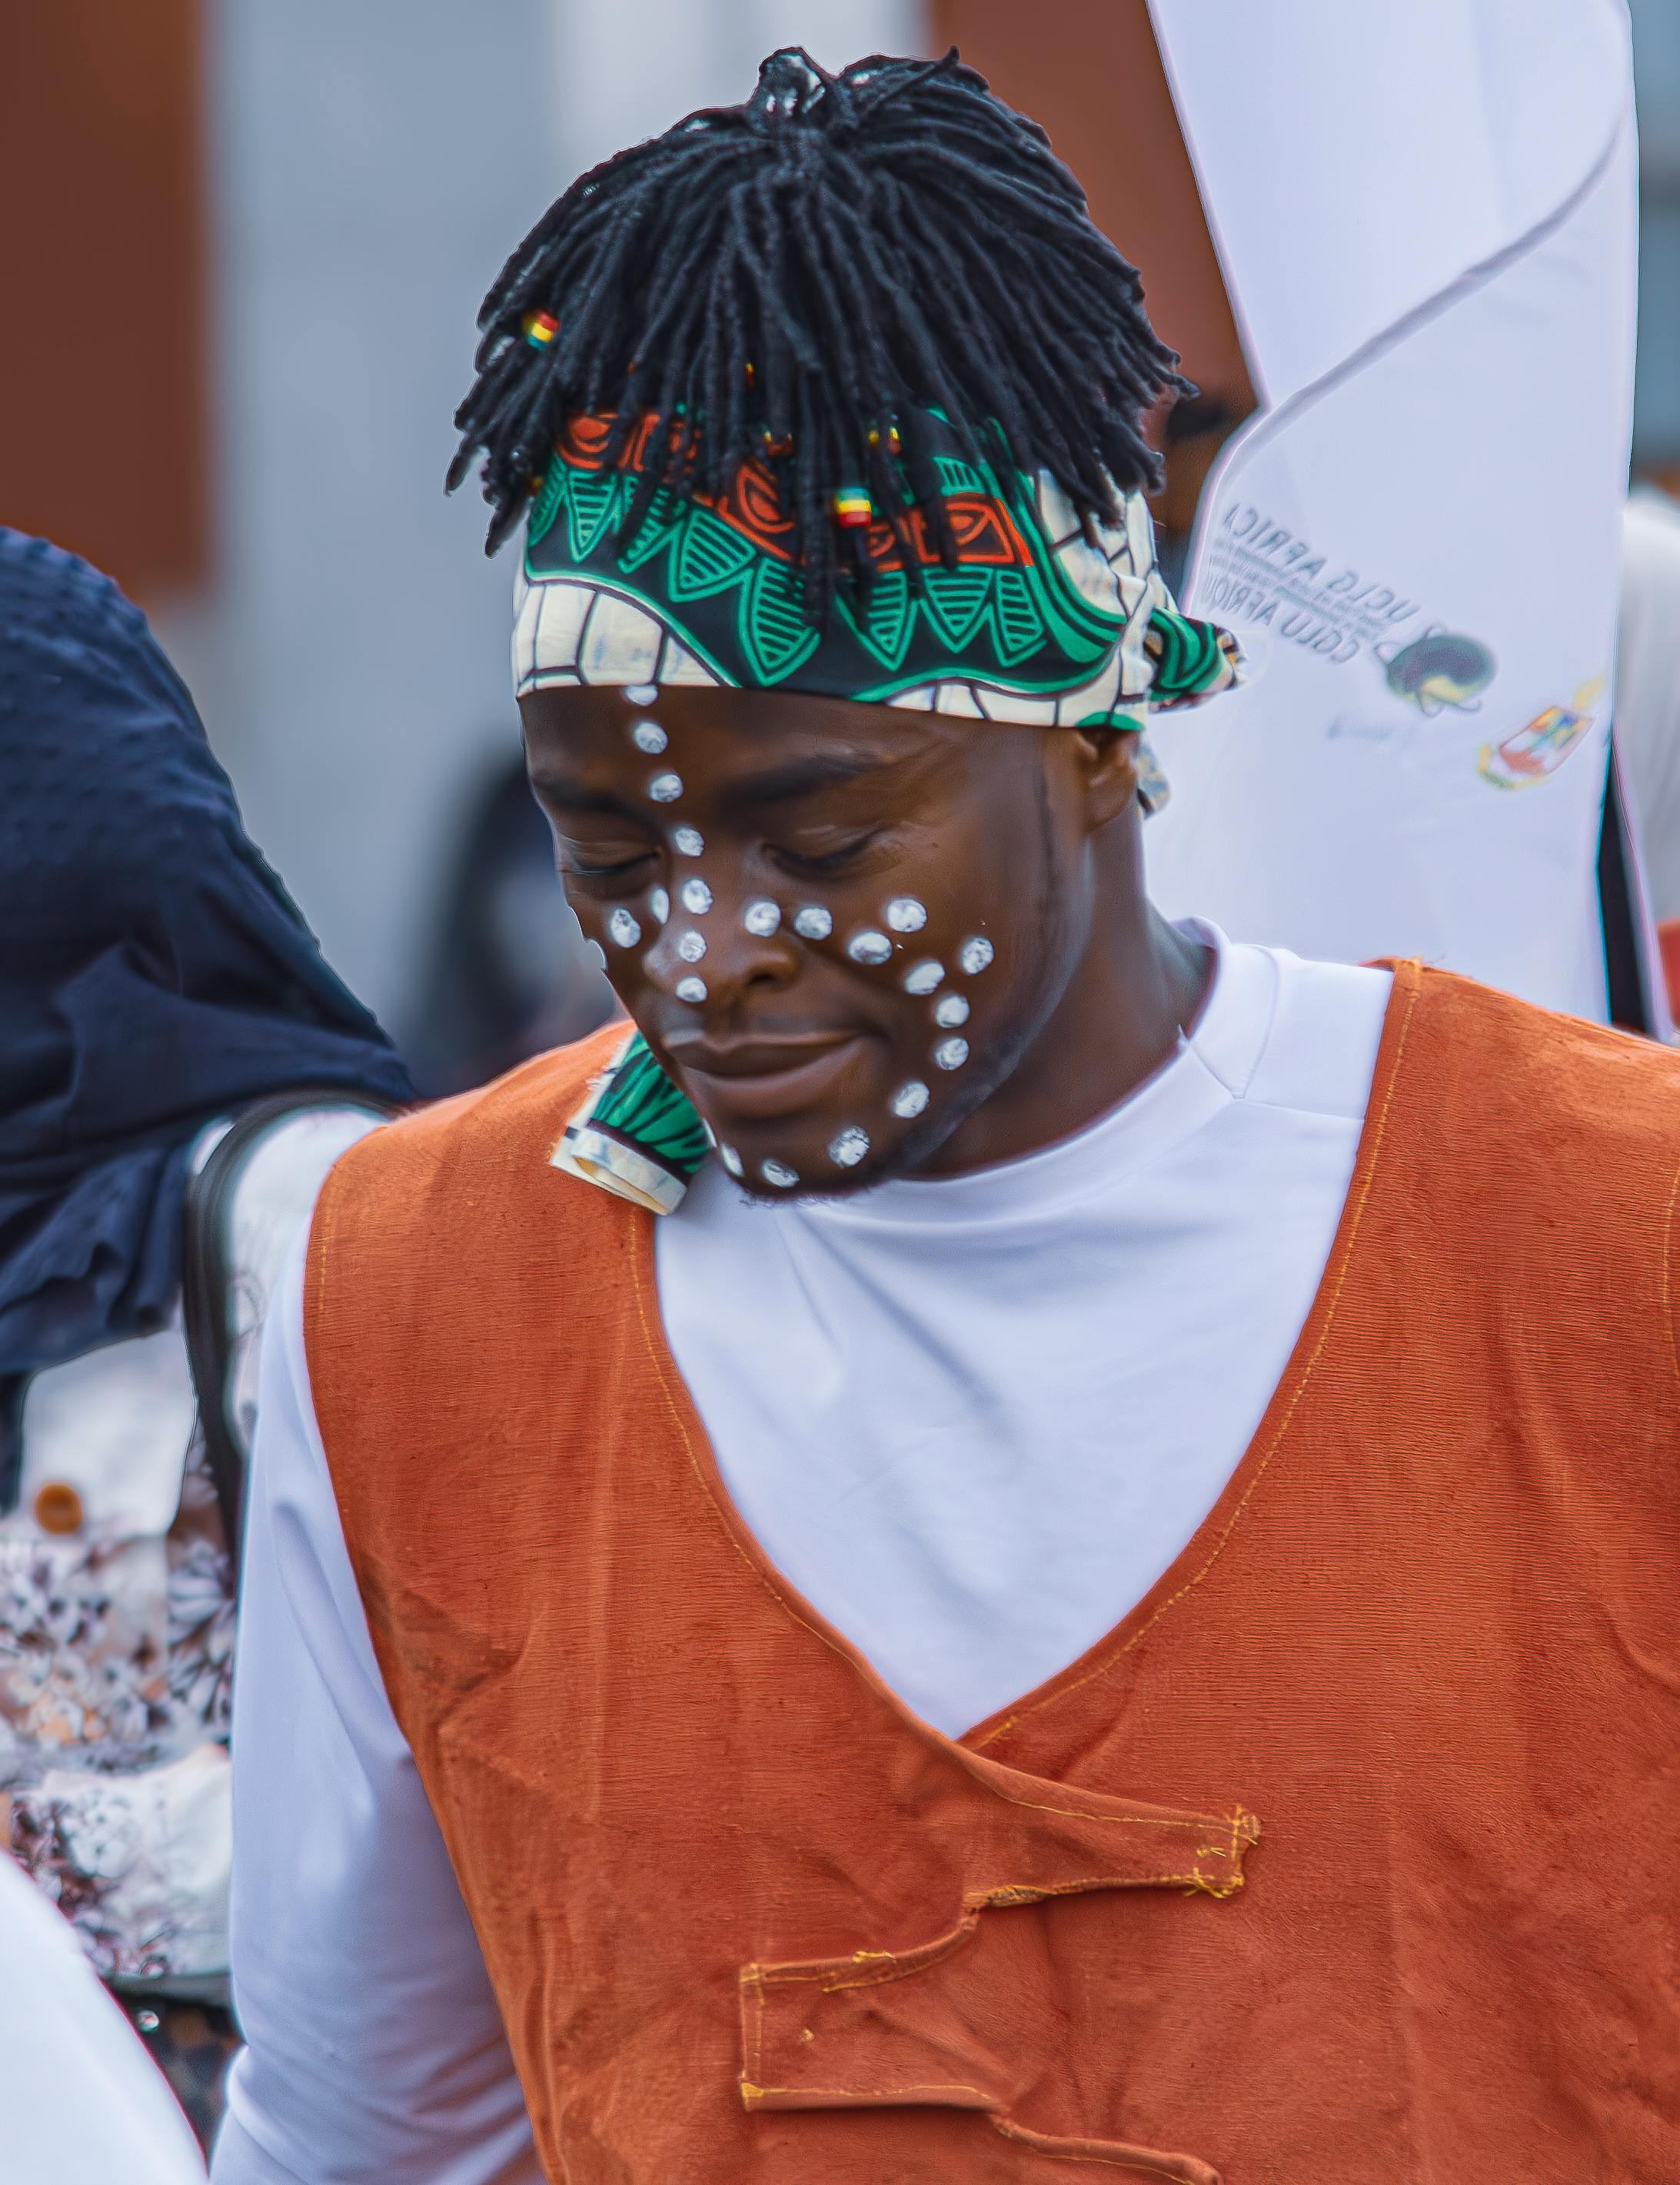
[748, 1918]
[1668, 946]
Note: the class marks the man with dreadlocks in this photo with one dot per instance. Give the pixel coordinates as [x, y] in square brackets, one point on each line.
[1265, 1368]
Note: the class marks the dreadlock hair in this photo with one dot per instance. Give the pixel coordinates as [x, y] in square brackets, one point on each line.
[797, 280]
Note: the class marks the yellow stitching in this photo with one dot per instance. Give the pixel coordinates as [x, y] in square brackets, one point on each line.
[881, 2093]
[1667, 1276]
[1177, 2175]
[1332, 1297]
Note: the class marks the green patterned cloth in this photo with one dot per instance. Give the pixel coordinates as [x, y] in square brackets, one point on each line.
[1035, 623]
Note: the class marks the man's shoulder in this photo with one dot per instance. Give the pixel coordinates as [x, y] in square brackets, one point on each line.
[1535, 1089]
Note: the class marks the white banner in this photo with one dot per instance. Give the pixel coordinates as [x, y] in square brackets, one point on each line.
[1426, 217]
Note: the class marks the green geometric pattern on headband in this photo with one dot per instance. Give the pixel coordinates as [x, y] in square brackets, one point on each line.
[1015, 620]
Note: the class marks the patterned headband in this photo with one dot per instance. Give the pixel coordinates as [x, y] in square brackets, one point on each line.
[1034, 625]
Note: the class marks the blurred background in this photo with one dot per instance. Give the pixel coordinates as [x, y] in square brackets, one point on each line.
[245, 247]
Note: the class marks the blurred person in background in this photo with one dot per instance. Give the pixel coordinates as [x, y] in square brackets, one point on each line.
[509, 972]
[80, 2103]
[1647, 728]
[178, 1069]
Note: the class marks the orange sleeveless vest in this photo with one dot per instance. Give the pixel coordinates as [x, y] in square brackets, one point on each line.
[748, 1919]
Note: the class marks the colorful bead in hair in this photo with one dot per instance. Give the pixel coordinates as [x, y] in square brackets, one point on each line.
[853, 510]
[540, 329]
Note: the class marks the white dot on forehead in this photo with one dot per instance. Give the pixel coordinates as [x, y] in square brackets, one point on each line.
[696, 895]
[910, 1099]
[813, 922]
[922, 978]
[691, 989]
[762, 916]
[621, 929]
[687, 840]
[848, 1147]
[691, 946]
[649, 736]
[731, 1160]
[904, 914]
[659, 904]
[975, 954]
[950, 1010]
[665, 788]
[869, 946]
[641, 694]
[951, 1053]
[778, 1173]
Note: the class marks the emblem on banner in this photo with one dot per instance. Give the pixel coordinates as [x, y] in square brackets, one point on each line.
[1531, 753]
[1439, 669]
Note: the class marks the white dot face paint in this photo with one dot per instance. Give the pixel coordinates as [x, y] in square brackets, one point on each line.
[691, 946]
[598, 953]
[691, 989]
[694, 895]
[648, 736]
[975, 954]
[910, 1099]
[665, 788]
[660, 904]
[687, 841]
[623, 929]
[813, 922]
[869, 946]
[731, 1160]
[951, 1053]
[904, 914]
[778, 1173]
[922, 978]
[848, 1148]
[762, 916]
[641, 694]
[950, 1010]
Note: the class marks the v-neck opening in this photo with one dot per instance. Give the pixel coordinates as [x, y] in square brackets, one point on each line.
[1200, 1552]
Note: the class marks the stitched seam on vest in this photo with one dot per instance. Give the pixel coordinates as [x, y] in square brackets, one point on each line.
[1334, 1279]
[1668, 1278]
[1120, 2161]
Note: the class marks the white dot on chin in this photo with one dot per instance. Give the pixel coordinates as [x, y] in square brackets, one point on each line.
[848, 1147]
[922, 978]
[910, 1099]
[691, 989]
[778, 1173]
[951, 1053]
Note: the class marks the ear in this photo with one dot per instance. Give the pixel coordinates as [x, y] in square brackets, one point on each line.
[1107, 759]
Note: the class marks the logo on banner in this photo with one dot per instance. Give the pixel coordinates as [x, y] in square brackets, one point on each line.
[1535, 751]
[1438, 670]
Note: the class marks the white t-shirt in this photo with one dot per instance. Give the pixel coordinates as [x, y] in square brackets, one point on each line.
[971, 1419]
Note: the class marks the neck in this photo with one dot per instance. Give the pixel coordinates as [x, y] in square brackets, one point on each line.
[1138, 982]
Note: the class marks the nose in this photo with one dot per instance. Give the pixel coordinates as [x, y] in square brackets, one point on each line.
[722, 939]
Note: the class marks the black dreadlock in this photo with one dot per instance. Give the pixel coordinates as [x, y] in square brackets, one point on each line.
[801, 278]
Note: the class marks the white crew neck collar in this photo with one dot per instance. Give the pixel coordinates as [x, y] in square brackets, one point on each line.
[1214, 1064]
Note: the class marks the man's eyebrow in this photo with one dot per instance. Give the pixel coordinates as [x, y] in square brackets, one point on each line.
[565, 789]
[781, 785]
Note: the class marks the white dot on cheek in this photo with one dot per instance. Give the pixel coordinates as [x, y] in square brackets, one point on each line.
[951, 1053]
[660, 904]
[904, 914]
[869, 946]
[687, 841]
[665, 788]
[813, 922]
[690, 990]
[950, 1010]
[975, 954]
[694, 895]
[762, 916]
[922, 978]
[691, 946]
[621, 929]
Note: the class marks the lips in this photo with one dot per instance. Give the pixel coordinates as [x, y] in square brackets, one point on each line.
[759, 1078]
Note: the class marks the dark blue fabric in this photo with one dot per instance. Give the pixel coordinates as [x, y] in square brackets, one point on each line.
[153, 972]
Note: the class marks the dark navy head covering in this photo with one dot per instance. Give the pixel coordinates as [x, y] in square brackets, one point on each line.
[154, 973]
